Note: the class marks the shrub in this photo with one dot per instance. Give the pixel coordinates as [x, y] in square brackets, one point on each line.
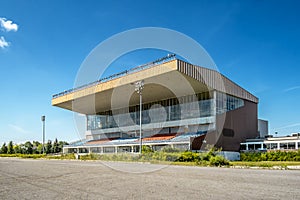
[146, 149]
[188, 156]
[172, 157]
[218, 161]
[68, 156]
[169, 149]
[91, 156]
[271, 156]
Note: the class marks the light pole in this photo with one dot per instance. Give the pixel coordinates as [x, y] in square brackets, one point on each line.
[139, 86]
[43, 121]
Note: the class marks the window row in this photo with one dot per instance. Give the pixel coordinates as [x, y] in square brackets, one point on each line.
[155, 114]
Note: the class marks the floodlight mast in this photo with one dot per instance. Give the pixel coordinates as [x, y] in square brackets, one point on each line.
[43, 121]
[139, 86]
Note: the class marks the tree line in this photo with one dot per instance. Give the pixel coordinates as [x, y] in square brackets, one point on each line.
[34, 147]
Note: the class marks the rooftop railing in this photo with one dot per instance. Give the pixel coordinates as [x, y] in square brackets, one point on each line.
[117, 75]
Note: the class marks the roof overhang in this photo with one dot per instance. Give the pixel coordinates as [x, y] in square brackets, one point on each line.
[163, 81]
[171, 79]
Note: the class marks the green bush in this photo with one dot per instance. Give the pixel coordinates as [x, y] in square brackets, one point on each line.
[189, 156]
[90, 156]
[172, 157]
[218, 161]
[34, 156]
[271, 156]
[167, 155]
[70, 156]
[146, 149]
[169, 149]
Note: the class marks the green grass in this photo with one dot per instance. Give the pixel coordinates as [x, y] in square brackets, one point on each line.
[34, 156]
[37, 156]
[61, 157]
[209, 158]
[265, 164]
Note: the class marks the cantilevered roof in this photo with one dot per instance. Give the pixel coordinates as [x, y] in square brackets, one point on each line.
[165, 80]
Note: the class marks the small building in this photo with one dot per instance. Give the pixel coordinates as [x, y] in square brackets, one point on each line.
[291, 142]
[263, 128]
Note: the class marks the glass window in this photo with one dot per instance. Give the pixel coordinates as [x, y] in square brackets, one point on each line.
[251, 147]
[291, 145]
[243, 147]
[189, 108]
[272, 146]
[283, 145]
[257, 146]
[109, 149]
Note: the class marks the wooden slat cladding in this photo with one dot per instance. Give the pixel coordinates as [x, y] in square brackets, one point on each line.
[215, 80]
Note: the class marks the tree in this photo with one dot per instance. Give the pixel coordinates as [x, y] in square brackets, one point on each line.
[61, 145]
[10, 148]
[17, 149]
[39, 148]
[55, 147]
[28, 147]
[4, 148]
[22, 148]
[35, 145]
[48, 147]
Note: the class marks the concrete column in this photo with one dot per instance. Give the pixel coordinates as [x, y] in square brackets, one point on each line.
[296, 145]
[278, 146]
[215, 107]
[116, 149]
[262, 145]
[247, 147]
[169, 111]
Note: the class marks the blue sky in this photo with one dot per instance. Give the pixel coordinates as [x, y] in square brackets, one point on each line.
[254, 43]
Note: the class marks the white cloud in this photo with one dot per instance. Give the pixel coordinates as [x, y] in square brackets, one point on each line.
[3, 43]
[292, 88]
[289, 126]
[18, 128]
[8, 25]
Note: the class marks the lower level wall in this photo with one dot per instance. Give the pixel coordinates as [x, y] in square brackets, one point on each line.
[235, 126]
[232, 128]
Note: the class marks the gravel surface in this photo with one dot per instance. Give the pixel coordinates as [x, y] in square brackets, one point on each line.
[57, 179]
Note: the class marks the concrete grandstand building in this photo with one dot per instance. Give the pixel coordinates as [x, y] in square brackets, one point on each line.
[183, 106]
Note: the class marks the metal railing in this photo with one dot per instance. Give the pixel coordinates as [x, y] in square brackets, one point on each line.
[117, 75]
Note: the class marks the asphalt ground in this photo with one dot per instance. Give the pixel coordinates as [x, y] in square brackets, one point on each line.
[59, 179]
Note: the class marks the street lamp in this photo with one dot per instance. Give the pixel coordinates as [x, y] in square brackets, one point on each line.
[139, 86]
[43, 121]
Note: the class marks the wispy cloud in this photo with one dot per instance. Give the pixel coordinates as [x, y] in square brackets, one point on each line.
[18, 128]
[288, 126]
[3, 42]
[292, 88]
[8, 25]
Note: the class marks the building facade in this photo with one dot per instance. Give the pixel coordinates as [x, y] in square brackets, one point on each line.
[183, 106]
[284, 143]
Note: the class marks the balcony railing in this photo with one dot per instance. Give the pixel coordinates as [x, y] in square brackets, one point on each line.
[117, 75]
